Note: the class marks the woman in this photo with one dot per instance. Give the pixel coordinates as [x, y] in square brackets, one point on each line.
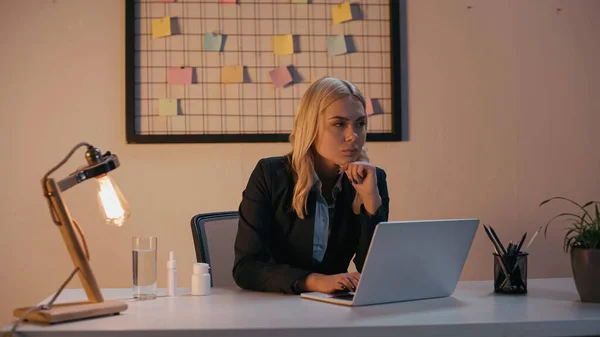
[305, 215]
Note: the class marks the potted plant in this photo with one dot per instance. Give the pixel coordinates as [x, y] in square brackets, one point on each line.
[583, 241]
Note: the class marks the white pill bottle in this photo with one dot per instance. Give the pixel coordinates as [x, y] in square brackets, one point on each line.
[201, 279]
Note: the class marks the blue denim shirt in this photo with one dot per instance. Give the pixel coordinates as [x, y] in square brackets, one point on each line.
[323, 218]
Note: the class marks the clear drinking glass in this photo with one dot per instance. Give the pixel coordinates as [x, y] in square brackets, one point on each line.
[144, 267]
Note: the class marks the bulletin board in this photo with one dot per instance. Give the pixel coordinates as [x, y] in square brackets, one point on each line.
[202, 71]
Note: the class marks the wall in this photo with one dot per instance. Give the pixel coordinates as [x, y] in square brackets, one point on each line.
[502, 113]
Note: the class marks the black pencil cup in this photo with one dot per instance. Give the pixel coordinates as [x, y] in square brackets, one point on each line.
[510, 273]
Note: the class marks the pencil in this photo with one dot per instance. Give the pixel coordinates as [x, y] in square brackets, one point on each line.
[533, 238]
[521, 243]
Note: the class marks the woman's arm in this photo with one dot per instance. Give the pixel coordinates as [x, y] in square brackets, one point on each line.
[368, 222]
[254, 267]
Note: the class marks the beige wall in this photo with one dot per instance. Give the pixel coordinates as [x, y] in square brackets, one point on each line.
[503, 113]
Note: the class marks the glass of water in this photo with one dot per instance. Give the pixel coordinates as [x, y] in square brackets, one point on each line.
[144, 268]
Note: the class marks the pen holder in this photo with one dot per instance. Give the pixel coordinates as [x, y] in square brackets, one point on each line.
[510, 273]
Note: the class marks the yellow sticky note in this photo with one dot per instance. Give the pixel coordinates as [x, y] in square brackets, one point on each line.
[161, 27]
[341, 13]
[167, 107]
[232, 74]
[283, 44]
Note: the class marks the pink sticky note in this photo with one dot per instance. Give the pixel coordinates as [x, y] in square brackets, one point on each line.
[280, 76]
[228, 1]
[369, 106]
[178, 75]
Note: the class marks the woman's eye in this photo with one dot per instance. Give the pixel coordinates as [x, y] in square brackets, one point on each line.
[339, 125]
[361, 124]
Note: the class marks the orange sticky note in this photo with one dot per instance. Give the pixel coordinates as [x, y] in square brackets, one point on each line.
[179, 75]
[161, 27]
[232, 74]
[369, 106]
[283, 44]
[341, 13]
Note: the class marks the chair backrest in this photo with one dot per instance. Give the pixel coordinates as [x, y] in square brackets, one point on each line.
[214, 237]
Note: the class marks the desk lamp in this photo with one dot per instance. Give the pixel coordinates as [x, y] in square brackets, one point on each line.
[115, 210]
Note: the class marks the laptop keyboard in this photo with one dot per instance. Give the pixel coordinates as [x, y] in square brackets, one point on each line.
[344, 296]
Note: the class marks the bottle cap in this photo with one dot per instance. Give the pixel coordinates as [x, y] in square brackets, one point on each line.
[201, 268]
[171, 263]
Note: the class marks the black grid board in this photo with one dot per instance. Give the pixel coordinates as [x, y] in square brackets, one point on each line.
[254, 111]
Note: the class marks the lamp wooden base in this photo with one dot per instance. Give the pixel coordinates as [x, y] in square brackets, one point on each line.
[72, 311]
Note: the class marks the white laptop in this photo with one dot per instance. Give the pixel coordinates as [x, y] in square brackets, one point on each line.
[410, 260]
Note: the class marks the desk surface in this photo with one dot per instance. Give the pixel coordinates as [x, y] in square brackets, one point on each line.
[551, 308]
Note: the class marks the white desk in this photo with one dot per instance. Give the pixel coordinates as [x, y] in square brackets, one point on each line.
[551, 308]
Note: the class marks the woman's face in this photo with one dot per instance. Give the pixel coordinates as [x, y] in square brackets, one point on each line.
[341, 131]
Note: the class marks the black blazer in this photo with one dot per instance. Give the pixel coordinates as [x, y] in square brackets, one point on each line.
[273, 247]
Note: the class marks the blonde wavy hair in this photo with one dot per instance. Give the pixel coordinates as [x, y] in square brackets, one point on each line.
[321, 94]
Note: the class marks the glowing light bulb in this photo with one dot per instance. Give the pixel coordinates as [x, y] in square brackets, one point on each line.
[112, 203]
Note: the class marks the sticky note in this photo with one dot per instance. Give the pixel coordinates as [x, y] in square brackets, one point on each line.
[228, 1]
[341, 13]
[161, 27]
[369, 106]
[167, 107]
[280, 76]
[283, 44]
[299, 1]
[179, 75]
[336, 45]
[213, 41]
[232, 74]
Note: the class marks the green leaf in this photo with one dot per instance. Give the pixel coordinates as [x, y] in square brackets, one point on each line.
[569, 242]
[571, 201]
[587, 204]
[590, 202]
[569, 232]
[576, 222]
[563, 214]
[561, 198]
[580, 232]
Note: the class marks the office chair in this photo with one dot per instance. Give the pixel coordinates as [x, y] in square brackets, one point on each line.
[214, 237]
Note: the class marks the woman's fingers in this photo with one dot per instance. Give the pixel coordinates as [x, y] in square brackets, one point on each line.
[352, 174]
[349, 174]
[353, 280]
[357, 171]
[354, 177]
[361, 171]
[345, 282]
